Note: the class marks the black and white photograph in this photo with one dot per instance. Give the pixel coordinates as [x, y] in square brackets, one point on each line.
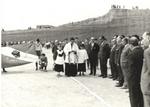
[75, 53]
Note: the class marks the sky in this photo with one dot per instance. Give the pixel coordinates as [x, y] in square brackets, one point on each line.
[21, 14]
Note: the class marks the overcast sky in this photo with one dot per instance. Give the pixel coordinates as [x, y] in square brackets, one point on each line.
[20, 14]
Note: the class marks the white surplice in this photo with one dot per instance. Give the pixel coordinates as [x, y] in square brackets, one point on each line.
[70, 56]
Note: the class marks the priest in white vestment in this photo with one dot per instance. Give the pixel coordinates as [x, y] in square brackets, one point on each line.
[71, 58]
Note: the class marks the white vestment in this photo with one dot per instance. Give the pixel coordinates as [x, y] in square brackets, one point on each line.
[71, 53]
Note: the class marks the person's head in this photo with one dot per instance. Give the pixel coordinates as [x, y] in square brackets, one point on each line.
[82, 46]
[42, 54]
[92, 39]
[119, 39]
[72, 40]
[37, 40]
[66, 40]
[56, 42]
[86, 41]
[113, 41]
[102, 38]
[76, 39]
[146, 40]
[59, 47]
[115, 36]
[134, 41]
[125, 41]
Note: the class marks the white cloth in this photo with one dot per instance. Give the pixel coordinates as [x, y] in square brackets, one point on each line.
[59, 59]
[82, 55]
[68, 52]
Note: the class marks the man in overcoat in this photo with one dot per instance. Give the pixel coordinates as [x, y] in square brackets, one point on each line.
[145, 76]
[104, 55]
[93, 56]
[135, 62]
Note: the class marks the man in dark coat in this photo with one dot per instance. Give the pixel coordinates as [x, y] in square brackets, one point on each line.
[118, 52]
[93, 55]
[135, 62]
[104, 55]
[54, 49]
[113, 66]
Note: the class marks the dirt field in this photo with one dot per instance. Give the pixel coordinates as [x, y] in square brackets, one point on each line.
[22, 86]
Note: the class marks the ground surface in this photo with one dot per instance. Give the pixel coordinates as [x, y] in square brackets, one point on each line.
[22, 86]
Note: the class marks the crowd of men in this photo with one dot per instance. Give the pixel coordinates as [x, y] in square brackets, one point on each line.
[129, 60]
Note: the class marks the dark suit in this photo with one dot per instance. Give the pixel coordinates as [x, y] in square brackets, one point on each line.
[135, 62]
[93, 57]
[104, 55]
[113, 66]
[117, 61]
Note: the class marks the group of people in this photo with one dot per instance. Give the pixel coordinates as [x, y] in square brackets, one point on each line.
[128, 56]
[129, 60]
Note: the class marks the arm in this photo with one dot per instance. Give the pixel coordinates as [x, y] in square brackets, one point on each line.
[147, 59]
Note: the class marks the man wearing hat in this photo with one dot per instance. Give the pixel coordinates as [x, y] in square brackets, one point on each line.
[93, 56]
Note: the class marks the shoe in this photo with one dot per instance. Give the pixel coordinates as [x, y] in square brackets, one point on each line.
[4, 71]
[100, 76]
[104, 76]
[124, 87]
[90, 74]
[114, 78]
[94, 73]
[118, 85]
[111, 77]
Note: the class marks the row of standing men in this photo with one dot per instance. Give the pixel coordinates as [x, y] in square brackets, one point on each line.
[126, 61]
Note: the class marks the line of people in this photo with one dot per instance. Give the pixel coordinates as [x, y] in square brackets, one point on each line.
[126, 56]
[129, 60]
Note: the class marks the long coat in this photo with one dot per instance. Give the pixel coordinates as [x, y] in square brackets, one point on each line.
[104, 50]
[145, 76]
[135, 62]
[93, 54]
